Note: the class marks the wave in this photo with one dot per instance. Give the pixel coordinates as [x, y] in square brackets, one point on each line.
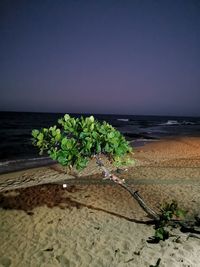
[123, 119]
[188, 123]
[170, 122]
[174, 122]
[21, 164]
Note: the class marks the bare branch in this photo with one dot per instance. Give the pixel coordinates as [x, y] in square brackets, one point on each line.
[122, 183]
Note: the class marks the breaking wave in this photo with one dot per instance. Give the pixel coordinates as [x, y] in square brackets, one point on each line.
[175, 122]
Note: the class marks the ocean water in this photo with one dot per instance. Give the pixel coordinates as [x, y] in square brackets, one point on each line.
[17, 151]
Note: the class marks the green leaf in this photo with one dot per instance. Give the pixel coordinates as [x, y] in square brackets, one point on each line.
[111, 135]
[60, 121]
[35, 133]
[81, 163]
[64, 141]
[58, 136]
[107, 148]
[82, 135]
[92, 127]
[40, 136]
[161, 233]
[53, 154]
[180, 213]
[66, 117]
[91, 118]
[95, 135]
[98, 148]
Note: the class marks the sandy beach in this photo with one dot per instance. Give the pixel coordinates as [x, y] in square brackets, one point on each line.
[95, 223]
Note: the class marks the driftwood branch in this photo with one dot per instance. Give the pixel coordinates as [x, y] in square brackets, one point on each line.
[133, 193]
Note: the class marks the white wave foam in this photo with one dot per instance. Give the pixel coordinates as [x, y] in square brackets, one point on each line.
[174, 122]
[123, 119]
[171, 122]
[187, 123]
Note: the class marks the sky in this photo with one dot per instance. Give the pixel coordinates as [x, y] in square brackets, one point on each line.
[112, 57]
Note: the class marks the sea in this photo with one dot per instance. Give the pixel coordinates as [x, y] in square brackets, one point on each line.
[17, 151]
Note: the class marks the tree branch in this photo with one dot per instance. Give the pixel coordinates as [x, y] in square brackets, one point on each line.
[133, 193]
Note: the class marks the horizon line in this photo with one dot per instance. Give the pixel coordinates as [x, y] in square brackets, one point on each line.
[90, 113]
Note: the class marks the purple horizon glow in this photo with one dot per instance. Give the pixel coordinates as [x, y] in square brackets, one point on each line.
[119, 57]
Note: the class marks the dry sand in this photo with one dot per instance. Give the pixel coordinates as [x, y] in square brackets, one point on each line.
[93, 223]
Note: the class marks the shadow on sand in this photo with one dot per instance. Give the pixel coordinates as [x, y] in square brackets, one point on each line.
[51, 195]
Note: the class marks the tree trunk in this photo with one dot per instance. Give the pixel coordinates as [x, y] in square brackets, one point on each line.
[134, 193]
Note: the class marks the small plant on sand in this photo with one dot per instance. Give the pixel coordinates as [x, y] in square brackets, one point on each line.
[75, 140]
[168, 212]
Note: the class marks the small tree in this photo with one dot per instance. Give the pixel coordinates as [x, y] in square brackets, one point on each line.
[75, 140]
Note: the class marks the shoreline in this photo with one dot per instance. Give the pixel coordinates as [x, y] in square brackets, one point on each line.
[181, 156]
[20, 164]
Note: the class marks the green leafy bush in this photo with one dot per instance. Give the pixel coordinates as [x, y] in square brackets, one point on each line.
[74, 140]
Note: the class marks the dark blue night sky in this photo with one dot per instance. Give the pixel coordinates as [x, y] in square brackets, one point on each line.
[122, 57]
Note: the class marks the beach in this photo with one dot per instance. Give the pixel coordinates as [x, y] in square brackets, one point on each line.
[95, 223]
